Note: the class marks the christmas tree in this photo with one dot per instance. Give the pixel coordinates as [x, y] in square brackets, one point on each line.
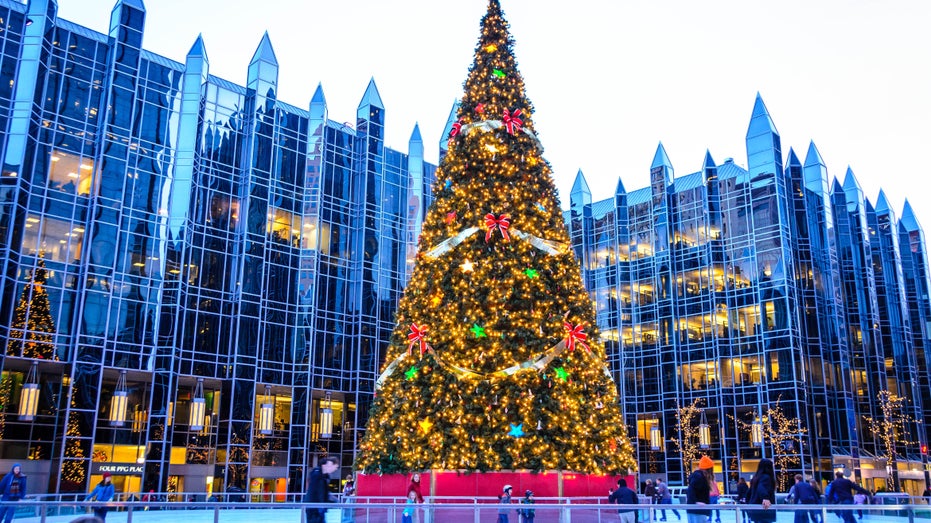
[495, 362]
[33, 329]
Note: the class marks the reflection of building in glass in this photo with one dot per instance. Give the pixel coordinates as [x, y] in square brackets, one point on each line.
[239, 258]
[748, 288]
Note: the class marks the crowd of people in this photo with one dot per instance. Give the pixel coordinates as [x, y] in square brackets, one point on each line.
[701, 494]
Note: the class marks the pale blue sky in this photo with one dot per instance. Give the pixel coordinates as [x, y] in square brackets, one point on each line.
[608, 79]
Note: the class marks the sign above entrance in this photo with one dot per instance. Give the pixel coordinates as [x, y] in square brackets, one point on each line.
[120, 468]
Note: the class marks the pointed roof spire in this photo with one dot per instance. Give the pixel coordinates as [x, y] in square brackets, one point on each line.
[708, 162]
[760, 122]
[371, 96]
[836, 187]
[415, 136]
[580, 186]
[264, 52]
[793, 159]
[882, 204]
[620, 187]
[660, 159]
[198, 50]
[135, 4]
[850, 181]
[908, 220]
[813, 157]
[318, 97]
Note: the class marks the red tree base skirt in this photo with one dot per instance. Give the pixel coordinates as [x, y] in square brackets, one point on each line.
[440, 485]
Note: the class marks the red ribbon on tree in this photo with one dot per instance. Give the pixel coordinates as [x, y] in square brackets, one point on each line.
[417, 334]
[457, 127]
[502, 223]
[511, 121]
[576, 336]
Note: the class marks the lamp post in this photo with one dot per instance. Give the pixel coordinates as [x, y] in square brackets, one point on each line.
[29, 395]
[119, 402]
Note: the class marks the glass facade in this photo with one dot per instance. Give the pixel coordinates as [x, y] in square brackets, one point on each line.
[756, 292]
[198, 250]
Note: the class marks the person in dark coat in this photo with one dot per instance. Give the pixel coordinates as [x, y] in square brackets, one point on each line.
[624, 496]
[104, 491]
[317, 491]
[743, 489]
[842, 493]
[763, 492]
[804, 494]
[699, 491]
[12, 488]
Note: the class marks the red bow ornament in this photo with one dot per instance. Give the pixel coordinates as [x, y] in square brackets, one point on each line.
[501, 223]
[576, 336]
[511, 121]
[417, 334]
[457, 128]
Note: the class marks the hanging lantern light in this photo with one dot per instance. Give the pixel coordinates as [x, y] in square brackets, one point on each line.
[170, 414]
[140, 416]
[119, 402]
[29, 395]
[198, 406]
[267, 413]
[756, 430]
[704, 433]
[656, 438]
[326, 418]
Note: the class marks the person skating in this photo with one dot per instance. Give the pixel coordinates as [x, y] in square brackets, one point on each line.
[317, 488]
[527, 514]
[504, 499]
[103, 492]
[665, 498]
[624, 496]
[12, 488]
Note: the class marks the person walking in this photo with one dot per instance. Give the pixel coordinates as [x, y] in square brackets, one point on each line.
[504, 499]
[414, 486]
[763, 492]
[699, 491]
[527, 513]
[103, 492]
[12, 488]
[409, 507]
[650, 492]
[804, 494]
[859, 499]
[743, 490]
[349, 490]
[841, 490]
[317, 491]
[624, 496]
[714, 496]
[665, 498]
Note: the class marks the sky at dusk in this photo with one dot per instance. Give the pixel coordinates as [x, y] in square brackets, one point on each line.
[608, 80]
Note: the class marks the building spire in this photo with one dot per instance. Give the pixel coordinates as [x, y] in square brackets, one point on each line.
[660, 159]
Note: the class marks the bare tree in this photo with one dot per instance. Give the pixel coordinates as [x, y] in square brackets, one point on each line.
[891, 429]
[687, 430]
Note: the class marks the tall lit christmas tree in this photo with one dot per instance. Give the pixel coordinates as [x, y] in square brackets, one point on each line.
[495, 363]
[33, 330]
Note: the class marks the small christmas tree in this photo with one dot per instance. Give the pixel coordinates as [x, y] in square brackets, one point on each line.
[495, 362]
[33, 331]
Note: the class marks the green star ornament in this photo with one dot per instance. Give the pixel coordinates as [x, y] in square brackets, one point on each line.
[478, 330]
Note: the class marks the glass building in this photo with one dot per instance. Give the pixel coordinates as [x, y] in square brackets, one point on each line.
[197, 278]
[781, 306]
